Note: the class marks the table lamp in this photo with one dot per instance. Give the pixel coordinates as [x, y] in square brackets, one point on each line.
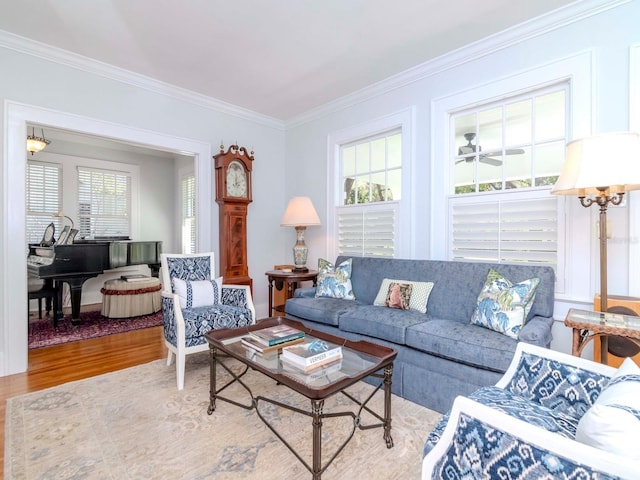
[300, 214]
[599, 170]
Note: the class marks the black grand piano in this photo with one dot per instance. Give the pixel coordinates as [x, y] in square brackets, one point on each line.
[77, 262]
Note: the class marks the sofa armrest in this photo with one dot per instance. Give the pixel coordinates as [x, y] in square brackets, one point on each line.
[239, 296]
[537, 331]
[481, 442]
[308, 292]
[555, 379]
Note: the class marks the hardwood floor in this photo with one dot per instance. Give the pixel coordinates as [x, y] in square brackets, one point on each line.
[51, 366]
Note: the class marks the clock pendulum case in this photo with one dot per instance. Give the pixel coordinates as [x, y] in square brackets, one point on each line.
[233, 195]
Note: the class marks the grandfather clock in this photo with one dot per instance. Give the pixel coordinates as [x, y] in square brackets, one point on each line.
[233, 195]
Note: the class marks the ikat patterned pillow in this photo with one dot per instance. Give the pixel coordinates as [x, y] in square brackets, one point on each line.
[199, 293]
[503, 306]
[334, 282]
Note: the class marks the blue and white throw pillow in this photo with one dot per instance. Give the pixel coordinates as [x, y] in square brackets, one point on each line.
[503, 306]
[334, 282]
[199, 293]
[613, 422]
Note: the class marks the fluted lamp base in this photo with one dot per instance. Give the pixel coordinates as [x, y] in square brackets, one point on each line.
[300, 252]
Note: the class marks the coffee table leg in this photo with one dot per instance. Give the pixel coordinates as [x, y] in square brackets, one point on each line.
[212, 380]
[388, 371]
[316, 412]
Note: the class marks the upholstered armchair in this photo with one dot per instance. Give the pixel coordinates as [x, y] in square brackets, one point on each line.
[194, 302]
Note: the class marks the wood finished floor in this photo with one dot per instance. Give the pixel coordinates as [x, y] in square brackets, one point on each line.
[51, 366]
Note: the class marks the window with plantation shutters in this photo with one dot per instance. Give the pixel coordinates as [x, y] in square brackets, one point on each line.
[189, 214]
[506, 155]
[104, 203]
[371, 181]
[43, 189]
[502, 229]
[367, 231]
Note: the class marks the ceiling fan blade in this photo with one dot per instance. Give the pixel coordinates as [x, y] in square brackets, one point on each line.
[491, 161]
[514, 151]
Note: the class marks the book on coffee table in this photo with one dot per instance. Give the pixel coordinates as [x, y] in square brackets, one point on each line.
[330, 371]
[249, 341]
[311, 354]
[277, 334]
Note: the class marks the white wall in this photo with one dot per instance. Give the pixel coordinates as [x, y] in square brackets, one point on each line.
[604, 38]
[33, 89]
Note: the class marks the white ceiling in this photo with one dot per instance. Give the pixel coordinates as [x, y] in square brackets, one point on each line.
[279, 58]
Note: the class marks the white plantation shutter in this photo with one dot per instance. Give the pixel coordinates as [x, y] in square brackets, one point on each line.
[104, 203]
[367, 231]
[43, 191]
[502, 229]
[189, 214]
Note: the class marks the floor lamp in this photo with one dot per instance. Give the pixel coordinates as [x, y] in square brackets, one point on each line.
[599, 170]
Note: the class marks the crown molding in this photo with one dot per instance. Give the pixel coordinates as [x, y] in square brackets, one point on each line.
[561, 17]
[64, 57]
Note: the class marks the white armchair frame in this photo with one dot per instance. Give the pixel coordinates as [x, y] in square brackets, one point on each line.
[181, 350]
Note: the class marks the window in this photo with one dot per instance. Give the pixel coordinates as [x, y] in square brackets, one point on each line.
[507, 155]
[189, 214]
[371, 181]
[104, 203]
[44, 186]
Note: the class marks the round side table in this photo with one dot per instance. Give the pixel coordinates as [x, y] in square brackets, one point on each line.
[288, 280]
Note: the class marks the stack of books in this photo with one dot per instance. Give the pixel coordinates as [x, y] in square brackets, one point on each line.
[311, 355]
[273, 338]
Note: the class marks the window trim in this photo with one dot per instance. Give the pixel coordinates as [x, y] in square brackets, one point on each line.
[403, 120]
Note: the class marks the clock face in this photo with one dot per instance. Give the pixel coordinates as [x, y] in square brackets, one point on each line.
[236, 180]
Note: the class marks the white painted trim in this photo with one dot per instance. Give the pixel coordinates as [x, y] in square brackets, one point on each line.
[554, 20]
[634, 197]
[96, 67]
[13, 248]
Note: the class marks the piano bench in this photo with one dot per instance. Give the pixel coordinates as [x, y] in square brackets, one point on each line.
[131, 298]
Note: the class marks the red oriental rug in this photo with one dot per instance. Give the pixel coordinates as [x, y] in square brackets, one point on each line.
[92, 325]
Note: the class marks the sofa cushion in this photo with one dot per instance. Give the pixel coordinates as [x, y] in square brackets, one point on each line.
[334, 281]
[385, 323]
[462, 342]
[322, 310]
[613, 422]
[419, 293]
[503, 306]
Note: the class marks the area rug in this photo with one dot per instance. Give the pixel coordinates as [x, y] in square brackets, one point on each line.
[134, 423]
[42, 333]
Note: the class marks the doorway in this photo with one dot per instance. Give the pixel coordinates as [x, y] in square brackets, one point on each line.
[13, 276]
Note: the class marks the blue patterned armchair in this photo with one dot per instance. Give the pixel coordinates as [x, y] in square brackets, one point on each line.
[194, 302]
[525, 426]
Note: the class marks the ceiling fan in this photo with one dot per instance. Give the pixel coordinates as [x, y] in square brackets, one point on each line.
[470, 148]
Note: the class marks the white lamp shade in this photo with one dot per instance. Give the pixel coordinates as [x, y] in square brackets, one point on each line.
[300, 213]
[609, 160]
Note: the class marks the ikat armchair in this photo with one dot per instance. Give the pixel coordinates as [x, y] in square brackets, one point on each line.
[194, 302]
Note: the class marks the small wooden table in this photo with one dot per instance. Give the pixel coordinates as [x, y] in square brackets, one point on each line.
[291, 281]
[588, 325]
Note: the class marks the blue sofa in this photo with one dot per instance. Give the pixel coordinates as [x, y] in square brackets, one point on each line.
[440, 354]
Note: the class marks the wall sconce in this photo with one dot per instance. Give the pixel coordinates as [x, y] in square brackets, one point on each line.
[36, 144]
[300, 214]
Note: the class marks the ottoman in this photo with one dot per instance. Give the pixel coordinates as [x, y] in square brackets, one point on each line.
[124, 299]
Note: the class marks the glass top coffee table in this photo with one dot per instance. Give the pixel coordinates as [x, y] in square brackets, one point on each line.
[360, 359]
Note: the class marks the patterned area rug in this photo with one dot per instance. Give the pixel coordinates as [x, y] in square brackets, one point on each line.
[92, 324]
[134, 423]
